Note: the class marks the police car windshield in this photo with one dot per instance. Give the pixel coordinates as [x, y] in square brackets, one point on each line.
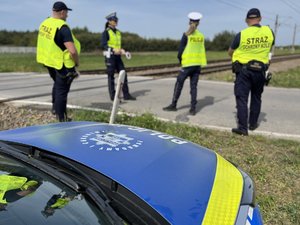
[28, 196]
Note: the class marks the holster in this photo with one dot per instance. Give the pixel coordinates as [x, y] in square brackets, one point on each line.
[236, 67]
[268, 77]
[71, 76]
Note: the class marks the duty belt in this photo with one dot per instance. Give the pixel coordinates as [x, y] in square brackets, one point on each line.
[252, 65]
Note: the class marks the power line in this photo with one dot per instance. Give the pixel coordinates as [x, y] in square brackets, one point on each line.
[291, 6]
[232, 5]
[296, 3]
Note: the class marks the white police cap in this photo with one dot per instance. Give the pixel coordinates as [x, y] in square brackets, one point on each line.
[194, 16]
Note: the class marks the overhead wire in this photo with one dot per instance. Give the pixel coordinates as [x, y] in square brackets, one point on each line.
[242, 6]
[289, 4]
[231, 4]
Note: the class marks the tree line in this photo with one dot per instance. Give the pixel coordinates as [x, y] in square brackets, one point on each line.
[90, 41]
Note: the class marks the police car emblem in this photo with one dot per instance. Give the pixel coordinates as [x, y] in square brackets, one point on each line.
[110, 141]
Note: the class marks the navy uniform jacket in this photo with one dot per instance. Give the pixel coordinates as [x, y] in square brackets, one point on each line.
[182, 45]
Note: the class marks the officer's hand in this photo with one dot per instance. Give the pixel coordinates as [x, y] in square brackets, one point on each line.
[117, 51]
[122, 51]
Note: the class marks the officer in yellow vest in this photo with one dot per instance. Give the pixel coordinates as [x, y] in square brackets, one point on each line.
[192, 56]
[57, 201]
[14, 187]
[58, 50]
[250, 52]
[111, 43]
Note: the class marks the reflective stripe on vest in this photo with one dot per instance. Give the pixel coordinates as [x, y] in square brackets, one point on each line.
[114, 39]
[8, 182]
[255, 44]
[194, 52]
[48, 53]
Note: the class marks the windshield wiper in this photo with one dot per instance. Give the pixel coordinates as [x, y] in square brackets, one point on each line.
[18, 154]
[103, 202]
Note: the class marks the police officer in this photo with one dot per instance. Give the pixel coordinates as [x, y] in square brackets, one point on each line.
[58, 50]
[191, 55]
[112, 46]
[250, 57]
[14, 187]
[57, 201]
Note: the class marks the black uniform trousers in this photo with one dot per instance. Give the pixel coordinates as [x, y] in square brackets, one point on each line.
[193, 72]
[115, 64]
[248, 81]
[60, 90]
[52, 73]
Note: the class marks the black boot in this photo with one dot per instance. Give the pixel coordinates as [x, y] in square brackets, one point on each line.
[129, 97]
[192, 111]
[239, 131]
[253, 127]
[171, 107]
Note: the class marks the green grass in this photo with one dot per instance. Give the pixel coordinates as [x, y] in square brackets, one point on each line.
[273, 164]
[286, 79]
[26, 62]
[91, 61]
[14, 62]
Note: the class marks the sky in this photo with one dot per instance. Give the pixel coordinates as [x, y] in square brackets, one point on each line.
[158, 18]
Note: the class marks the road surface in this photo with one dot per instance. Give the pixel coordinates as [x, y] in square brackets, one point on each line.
[215, 109]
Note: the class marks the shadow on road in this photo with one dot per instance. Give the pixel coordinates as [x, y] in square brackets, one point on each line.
[202, 103]
[206, 101]
[140, 93]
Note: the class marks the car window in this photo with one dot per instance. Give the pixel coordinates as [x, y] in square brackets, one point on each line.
[28, 196]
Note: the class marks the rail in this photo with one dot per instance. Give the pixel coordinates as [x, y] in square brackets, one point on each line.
[172, 69]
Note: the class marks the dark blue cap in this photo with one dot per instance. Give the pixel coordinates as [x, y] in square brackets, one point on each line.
[112, 16]
[253, 13]
[58, 6]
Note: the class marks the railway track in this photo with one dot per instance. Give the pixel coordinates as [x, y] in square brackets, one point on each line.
[172, 69]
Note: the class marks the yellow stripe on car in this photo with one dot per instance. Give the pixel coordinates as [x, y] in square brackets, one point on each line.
[224, 201]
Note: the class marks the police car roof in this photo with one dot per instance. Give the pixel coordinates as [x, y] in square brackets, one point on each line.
[173, 176]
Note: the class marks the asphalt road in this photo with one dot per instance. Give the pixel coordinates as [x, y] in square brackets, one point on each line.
[215, 108]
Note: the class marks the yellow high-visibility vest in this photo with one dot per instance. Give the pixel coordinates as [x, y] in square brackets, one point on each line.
[8, 182]
[114, 39]
[255, 44]
[60, 203]
[194, 52]
[48, 53]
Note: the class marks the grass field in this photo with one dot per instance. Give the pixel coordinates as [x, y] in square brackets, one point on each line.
[286, 79]
[13, 62]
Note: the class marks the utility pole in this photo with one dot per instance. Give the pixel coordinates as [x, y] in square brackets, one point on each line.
[294, 38]
[275, 32]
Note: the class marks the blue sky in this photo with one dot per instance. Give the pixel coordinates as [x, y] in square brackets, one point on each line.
[157, 18]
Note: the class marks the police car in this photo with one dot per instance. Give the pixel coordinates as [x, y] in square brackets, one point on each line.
[95, 173]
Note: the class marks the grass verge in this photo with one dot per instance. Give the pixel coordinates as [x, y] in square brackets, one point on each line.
[286, 79]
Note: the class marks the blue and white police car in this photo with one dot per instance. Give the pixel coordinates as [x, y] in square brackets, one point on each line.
[95, 173]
